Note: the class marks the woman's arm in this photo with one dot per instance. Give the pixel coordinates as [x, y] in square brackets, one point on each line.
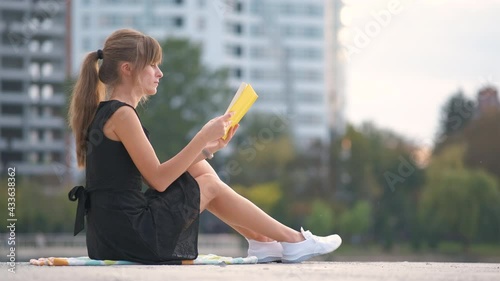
[216, 145]
[126, 127]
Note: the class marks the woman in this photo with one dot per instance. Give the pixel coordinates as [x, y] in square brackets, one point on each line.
[159, 226]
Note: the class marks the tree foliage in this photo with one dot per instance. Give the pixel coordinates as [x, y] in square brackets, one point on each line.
[455, 116]
[482, 137]
[455, 199]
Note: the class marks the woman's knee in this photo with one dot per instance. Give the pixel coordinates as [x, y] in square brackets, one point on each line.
[210, 185]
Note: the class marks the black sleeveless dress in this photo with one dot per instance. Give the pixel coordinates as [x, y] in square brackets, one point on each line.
[124, 223]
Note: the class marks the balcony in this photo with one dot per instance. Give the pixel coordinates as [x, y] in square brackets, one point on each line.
[52, 146]
[55, 54]
[11, 121]
[57, 31]
[12, 98]
[15, 74]
[54, 78]
[47, 122]
[55, 100]
[15, 4]
[14, 46]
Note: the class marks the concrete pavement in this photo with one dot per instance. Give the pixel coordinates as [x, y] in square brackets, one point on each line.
[307, 271]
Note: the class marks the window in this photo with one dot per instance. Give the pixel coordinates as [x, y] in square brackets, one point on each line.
[13, 62]
[33, 157]
[238, 28]
[178, 21]
[312, 32]
[238, 7]
[11, 133]
[234, 50]
[305, 53]
[34, 136]
[34, 46]
[47, 46]
[263, 52]
[47, 111]
[265, 74]
[12, 86]
[48, 136]
[35, 70]
[310, 75]
[47, 69]
[257, 30]
[308, 118]
[314, 10]
[234, 28]
[237, 72]
[310, 97]
[47, 23]
[12, 109]
[47, 157]
[34, 92]
[47, 91]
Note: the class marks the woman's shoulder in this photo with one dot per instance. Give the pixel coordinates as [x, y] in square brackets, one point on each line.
[110, 107]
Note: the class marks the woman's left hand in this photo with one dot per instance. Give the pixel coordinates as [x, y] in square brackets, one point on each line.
[217, 145]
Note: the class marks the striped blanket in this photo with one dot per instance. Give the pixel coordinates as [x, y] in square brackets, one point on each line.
[86, 261]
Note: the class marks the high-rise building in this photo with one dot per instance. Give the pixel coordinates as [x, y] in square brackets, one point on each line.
[284, 48]
[32, 73]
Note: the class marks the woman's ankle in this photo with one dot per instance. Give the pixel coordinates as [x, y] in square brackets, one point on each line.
[295, 237]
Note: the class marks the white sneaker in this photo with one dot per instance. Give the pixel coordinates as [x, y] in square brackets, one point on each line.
[311, 247]
[265, 251]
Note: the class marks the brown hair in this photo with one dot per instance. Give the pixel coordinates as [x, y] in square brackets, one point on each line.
[124, 45]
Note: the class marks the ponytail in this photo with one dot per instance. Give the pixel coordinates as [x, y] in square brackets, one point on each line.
[88, 92]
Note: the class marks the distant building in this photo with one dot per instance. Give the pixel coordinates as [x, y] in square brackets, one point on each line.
[487, 100]
[32, 73]
[285, 48]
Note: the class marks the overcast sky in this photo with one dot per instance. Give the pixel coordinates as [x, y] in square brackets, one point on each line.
[428, 50]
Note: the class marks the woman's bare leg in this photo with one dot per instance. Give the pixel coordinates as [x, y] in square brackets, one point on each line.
[237, 211]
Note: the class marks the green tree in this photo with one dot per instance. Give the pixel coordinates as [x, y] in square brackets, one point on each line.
[378, 166]
[260, 151]
[482, 137]
[455, 115]
[265, 195]
[321, 218]
[189, 95]
[455, 199]
[357, 220]
[38, 209]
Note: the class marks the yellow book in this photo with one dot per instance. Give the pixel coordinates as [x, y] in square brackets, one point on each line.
[241, 103]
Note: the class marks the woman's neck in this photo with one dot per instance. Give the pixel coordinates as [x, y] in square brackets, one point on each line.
[126, 94]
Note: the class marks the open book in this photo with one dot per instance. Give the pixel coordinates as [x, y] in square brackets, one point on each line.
[241, 103]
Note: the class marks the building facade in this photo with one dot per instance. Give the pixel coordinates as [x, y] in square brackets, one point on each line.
[284, 48]
[32, 75]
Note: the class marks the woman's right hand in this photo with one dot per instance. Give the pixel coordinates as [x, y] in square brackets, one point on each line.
[216, 128]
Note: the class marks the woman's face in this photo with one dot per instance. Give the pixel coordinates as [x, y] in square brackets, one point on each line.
[150, 78]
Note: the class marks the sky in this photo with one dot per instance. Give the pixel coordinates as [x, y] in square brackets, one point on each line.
[400, 76]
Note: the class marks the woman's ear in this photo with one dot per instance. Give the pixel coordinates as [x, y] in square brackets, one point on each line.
[126, 69]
